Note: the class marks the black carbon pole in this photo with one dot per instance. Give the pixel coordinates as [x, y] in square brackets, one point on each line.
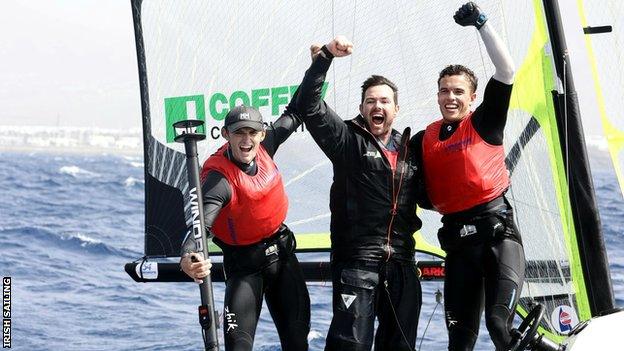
[580, 184]
[207, 313]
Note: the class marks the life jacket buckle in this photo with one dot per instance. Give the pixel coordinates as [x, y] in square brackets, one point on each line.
[467, 229]
[271, 250]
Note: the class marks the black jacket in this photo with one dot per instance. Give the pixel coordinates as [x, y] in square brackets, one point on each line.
[373, 211]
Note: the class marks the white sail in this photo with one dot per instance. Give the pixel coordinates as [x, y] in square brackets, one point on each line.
[604, 53]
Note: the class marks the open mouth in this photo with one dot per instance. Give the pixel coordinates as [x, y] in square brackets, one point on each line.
[246, 148]
[451, 107]
[377, 119]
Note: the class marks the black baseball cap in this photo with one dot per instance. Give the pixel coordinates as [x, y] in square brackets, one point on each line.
[243, 116]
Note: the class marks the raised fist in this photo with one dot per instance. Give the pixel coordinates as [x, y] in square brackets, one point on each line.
[340, 46]
[470, 15]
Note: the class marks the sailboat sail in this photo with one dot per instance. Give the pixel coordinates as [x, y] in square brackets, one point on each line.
[200, 58]
[606, 56]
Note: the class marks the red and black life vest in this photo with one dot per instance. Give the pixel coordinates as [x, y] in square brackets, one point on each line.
[464, 170]
[258, 204]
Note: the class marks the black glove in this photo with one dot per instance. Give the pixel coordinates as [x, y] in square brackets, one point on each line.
[470, 15]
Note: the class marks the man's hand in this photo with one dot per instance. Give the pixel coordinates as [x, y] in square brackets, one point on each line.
[470, 15]
[195, 266]
[340, 46]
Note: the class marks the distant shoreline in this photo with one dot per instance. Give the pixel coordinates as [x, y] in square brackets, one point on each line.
[70, 140]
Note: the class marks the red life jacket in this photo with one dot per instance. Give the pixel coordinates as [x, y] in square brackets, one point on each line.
[258, 205]
[464, 170]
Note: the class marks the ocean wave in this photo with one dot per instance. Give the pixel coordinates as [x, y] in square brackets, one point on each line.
[95, 246]
[77, 172]
[77, 242]
[82, 241]
[133, 161]
[131, 181]
[315, 335]
[134, 299]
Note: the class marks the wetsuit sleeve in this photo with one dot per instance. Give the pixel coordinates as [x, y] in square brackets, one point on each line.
[328, 130]
[491, 116]
[216, 193]
[420, 191]
[283, 127]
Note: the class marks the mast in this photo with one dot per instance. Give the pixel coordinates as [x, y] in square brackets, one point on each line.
[580, 185]
[160, 221]
[145, 112]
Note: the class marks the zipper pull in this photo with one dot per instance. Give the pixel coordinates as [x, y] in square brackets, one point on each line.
[393, 210]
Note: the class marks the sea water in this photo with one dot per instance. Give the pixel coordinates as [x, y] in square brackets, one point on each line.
[69, 223]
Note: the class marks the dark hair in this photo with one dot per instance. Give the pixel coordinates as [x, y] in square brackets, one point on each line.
[456, 70]
[376, 80]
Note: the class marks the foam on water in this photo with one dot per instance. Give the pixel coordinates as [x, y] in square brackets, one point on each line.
[131, 181]
[76, 171]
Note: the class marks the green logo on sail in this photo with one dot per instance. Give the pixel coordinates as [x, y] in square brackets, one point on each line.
[182, 108]
[219, 104]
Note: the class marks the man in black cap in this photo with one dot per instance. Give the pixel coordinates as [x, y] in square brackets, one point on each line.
[244, 207]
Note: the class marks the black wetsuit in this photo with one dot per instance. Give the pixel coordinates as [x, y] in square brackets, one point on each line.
[485, 269]
[373, 219]
[257, 270]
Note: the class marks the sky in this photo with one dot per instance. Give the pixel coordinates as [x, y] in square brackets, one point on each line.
[73, 63]
[68, 63]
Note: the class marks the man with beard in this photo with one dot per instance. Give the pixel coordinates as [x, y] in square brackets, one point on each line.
[373, 211]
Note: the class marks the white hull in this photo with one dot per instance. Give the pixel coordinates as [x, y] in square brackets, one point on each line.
[601, 333]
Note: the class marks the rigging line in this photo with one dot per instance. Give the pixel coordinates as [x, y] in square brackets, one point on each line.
[306, 172]
[310, 219]
[198, 69]
[512, 159]
[351, 56]
[264, 34]
[396, 318]
[566, 133]
[402, 51]
[532, 120]
[565, 129]
[334, 66]
[333, 19]
[565, 118]
[533, 207]
[438, 296]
